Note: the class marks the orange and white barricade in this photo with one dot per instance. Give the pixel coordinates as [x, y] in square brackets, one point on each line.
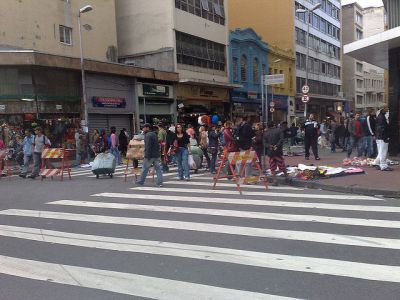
[4, 163]
[48, 170]
[241, 158]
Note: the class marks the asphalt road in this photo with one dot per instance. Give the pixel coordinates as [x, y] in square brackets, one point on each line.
[107, 239]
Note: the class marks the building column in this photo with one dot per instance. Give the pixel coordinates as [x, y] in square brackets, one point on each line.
[394, 100]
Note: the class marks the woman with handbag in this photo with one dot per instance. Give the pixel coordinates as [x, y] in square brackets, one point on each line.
[181, 148]
[204, 144]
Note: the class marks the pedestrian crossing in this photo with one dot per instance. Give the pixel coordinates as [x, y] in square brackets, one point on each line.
[281, 240]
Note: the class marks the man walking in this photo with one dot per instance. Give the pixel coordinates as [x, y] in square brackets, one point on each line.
[245, 134]
[382, 140]
[273, 139]
[356, 136]
[40, 142]
[28, 152]
[311, 137]
[152, 156]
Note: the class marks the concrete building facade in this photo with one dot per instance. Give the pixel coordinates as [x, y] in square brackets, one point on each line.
[383, 50]
[363, 83]
[324, 63]
[50, 26]
[188, 37]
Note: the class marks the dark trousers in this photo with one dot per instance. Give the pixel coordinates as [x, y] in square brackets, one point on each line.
[313, 143]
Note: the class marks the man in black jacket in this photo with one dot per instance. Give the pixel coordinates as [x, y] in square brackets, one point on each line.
[382, 139]
[245, 135]
[152, 156]
[311, 127]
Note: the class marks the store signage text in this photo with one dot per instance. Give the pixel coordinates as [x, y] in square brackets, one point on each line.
[252, 95]
[109, 102]
[155, 90]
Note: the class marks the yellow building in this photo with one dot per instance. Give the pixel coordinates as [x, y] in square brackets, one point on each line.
[273, 20]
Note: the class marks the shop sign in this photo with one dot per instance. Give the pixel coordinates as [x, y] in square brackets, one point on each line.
[2, 107]
[109, 102]
[155, 90]
[252, 95]
[59, 107]
[188, 92]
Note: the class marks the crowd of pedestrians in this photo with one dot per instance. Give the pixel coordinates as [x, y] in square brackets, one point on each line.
[188, 147]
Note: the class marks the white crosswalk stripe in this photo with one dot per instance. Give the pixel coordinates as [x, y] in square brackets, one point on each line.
[179, 200]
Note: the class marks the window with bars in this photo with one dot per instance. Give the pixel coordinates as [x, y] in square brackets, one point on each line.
[256, 74]
[65, 34]
[243, 68]
[212, 10]
[195, 51]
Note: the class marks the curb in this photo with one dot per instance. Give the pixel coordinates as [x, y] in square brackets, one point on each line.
[352, 189]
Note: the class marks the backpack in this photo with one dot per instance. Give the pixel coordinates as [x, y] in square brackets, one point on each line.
[109, 141]
[222, 139]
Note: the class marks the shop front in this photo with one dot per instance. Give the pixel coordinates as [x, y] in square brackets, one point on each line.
[110, 102]
[156, 103]
[197, 100]
[246, 105]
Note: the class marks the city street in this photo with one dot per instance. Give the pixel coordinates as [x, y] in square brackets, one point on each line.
[105, 238]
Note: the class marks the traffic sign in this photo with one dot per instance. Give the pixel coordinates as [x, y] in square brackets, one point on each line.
[272, 109]
[305, 98]
[305, 89]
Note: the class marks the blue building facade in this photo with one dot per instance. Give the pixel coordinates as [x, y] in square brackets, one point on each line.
[248, 61]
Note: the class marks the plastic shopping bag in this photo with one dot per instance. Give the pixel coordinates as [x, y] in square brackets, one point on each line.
[192, 163]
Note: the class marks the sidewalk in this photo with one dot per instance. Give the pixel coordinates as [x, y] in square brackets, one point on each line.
[372, 183]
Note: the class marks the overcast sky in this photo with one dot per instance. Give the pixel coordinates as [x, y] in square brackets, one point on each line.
[364, 3]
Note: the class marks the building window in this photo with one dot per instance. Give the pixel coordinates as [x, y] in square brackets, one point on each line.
[359, 83]
[359, 99]
[212, 10]
[359, 67]
[359, 18]
[263, 70]
[359, 34]
[256, 76]
[194, 51]
[65, 35]
[243, 68]
[235, 69]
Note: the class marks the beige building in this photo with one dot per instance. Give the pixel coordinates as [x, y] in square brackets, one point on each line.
[363, 83]
[51, 26]
[186, 37]
[40, 78]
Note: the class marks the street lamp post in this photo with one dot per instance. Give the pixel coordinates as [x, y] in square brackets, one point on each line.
[83, 10]
[272, 91]
[307, 12]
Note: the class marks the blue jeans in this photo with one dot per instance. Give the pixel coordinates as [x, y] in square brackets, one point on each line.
[368, 146]
[37, 160]
[147, 163]
[115, 152]
[182, 158]
[355, 142]
[27, 161]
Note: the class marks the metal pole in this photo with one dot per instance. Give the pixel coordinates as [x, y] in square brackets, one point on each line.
[144, 110]
[85, 109]
[272, 100]
[308, 54]
[263, 121]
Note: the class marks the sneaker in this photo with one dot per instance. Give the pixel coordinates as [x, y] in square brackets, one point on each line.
[180, 178]
[32, 176]
[187, 179]
[307, 158]
[22, 175]
[138, 183]
[160, 185]
[317, 158]
[387, 169]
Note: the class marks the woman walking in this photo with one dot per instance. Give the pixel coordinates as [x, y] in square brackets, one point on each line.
[182, 145]
[204, 144]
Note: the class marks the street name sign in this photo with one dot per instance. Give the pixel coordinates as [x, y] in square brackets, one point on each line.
[274, 79]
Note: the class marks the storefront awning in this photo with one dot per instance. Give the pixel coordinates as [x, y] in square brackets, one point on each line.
[375, 49]
[210, 83]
